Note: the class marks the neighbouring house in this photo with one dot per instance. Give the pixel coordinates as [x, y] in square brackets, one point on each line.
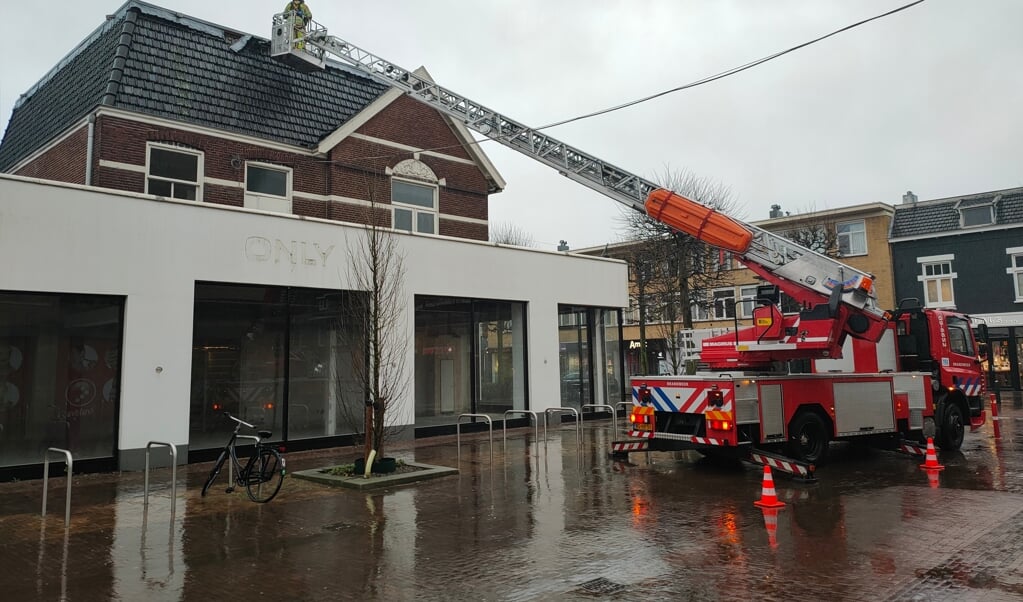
[966, 253]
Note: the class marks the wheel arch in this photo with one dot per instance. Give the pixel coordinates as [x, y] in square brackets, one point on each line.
[955, 396]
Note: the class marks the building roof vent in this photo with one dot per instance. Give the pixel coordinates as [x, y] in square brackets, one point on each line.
[909, 198]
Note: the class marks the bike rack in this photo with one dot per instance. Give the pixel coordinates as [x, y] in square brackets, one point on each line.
[536, 423]
[458, 432]
[619, 405]
[575, 412]
[174, 474]
[46, 481]
[614, 415]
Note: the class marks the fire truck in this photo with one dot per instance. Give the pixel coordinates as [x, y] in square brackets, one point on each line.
[891, 377]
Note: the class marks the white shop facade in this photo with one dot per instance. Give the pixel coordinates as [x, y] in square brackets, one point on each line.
[127, 318]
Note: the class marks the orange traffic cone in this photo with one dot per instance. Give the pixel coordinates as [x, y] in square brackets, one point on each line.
[931, 462]
[932, 478]
[771, 524]
[768, 498]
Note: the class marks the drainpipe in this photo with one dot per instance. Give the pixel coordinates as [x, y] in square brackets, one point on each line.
[88, 149]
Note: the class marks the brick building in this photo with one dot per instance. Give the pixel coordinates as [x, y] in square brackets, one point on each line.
[188, 217]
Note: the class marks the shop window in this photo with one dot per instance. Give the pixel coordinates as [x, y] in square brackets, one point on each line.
[174, 172]
[470, 357]
[268, 187]
[277, 357]
[60, 366]
[937, 278]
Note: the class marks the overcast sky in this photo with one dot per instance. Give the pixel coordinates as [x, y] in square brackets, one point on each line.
[929, 99]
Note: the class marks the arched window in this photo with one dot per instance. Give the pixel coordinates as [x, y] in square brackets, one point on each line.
[414, 189]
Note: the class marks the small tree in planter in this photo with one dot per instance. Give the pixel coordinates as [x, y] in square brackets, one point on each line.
[378, 349]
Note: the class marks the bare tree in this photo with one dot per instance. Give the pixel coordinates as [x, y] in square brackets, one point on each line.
[378, 344]
[509, 233]
[687, 269]
[814, 231]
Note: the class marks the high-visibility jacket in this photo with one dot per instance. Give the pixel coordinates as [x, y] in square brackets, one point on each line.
[302, 12]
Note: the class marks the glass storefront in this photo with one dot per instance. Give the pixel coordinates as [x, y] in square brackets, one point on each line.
[276, 357]
[574, 356]
[470, 358]
[590, 353]
[60, 373]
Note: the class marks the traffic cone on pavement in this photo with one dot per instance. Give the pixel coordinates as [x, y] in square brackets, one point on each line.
[768, 497]
[931, 462]
[771, 524]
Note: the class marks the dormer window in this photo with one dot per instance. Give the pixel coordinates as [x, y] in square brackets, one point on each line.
[977, 212]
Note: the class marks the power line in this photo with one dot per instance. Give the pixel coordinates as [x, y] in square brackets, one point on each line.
[725, 74]
[699, 82]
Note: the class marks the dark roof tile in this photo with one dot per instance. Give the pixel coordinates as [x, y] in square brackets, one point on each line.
[941, 216]
[181, 69]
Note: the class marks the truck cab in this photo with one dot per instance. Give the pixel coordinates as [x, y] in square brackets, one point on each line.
[941, 343]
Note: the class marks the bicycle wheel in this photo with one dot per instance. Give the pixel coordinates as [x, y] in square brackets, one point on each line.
[214, 472]
[264, 475]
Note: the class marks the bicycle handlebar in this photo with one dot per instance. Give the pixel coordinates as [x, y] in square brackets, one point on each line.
[239, 421]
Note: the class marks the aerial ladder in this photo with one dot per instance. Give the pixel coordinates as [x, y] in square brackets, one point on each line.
[842, 297]
[755, 413]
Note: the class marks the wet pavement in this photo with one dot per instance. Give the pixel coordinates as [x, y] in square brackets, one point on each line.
[535, 520]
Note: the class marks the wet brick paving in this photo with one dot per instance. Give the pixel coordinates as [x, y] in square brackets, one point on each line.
[554, 520]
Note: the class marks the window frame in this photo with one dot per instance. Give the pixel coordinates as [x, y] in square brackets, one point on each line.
[974, 209]
[698, 309]
[924, 278]
[850, 236]
[749, 301]
[416, 210]
[199, 167]
[1015, 271]
[714, 304]
[252, 198]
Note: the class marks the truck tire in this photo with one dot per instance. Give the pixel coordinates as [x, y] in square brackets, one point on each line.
[952, 427]
[809, 438]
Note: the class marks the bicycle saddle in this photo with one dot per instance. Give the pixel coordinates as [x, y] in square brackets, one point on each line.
[264, 434]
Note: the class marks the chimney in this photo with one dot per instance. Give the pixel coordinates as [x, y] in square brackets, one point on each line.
[563, 246]
[776, 211]
[909, 198]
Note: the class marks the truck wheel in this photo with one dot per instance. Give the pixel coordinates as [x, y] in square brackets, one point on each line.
[809, 438]
[952, 428]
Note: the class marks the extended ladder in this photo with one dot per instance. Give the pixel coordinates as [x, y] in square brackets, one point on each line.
[775, 253]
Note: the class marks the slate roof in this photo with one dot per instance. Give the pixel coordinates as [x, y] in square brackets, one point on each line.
[184, 69]
[941, 216]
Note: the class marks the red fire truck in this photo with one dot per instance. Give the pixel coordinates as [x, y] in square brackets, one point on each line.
[908, 374]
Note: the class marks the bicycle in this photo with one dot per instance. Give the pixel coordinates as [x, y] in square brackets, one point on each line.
[262, 475]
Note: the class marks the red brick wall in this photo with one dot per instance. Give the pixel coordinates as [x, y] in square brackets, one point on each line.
[354, 169]
[65, 162]
[463, 230]
[359, 165]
